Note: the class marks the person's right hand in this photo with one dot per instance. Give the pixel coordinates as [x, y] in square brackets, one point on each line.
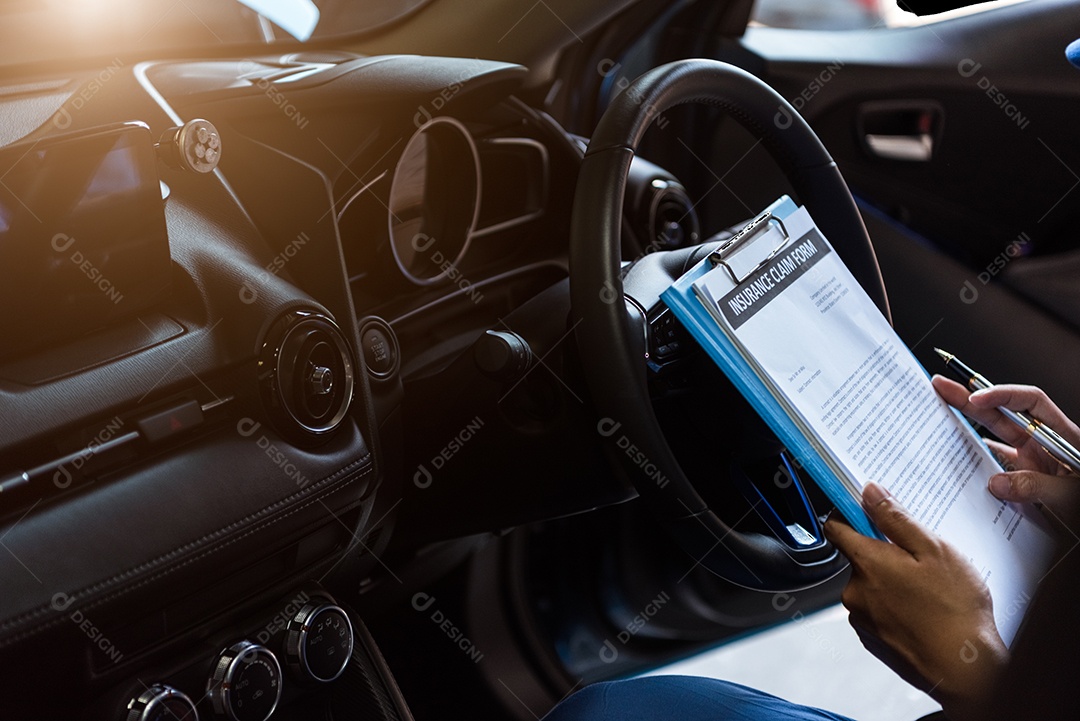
[1031, 474]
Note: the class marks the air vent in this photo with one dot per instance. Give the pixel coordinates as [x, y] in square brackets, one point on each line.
[306, 374]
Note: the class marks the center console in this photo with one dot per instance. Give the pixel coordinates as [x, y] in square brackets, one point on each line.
[304, 657]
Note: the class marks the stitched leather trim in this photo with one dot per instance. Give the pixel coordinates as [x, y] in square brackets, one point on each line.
[182, 556]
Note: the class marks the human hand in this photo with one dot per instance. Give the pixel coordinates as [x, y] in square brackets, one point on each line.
[920, 606]
[1030, 473]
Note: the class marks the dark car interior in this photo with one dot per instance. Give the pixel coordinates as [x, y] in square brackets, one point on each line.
[334, 378]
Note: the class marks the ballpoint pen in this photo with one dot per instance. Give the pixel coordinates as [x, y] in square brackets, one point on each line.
[1057, 447]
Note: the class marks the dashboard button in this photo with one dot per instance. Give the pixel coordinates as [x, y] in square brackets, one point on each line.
[161, 703]
[319, 642]
[246, 682]
[377, 351]
[380, 347]
[165, 423]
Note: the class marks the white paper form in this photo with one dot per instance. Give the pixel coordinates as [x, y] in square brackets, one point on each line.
[827, 353]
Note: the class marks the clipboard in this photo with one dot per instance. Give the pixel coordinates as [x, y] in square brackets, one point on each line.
[859, 407]
[685, 303]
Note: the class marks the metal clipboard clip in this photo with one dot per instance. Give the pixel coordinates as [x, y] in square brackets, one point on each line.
[755, 226]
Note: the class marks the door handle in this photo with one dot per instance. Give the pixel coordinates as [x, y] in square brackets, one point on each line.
[915, 148]
[903, 130]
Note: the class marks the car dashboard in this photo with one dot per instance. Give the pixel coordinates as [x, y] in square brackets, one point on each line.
[302, 339]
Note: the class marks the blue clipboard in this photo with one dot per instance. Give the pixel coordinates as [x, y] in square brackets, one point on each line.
[684, 303]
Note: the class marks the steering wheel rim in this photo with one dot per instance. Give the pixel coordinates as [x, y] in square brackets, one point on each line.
[611, 336]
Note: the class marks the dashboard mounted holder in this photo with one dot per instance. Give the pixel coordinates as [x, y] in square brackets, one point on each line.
[306, 374]
[193, 146]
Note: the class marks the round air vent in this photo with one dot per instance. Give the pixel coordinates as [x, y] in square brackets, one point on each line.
[306, 373]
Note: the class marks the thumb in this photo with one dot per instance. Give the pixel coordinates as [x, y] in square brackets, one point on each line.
[895, 522]
[1030, 486]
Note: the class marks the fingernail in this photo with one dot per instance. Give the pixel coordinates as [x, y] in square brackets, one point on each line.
[874, 494]
[999, 485]
[979, 393]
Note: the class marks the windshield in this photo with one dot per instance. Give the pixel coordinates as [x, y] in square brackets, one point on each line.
[48, 30]
[862, 14]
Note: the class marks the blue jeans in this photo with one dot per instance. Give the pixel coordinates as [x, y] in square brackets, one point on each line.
[680, 698]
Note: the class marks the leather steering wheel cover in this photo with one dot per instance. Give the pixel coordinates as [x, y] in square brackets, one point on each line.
[610, 340]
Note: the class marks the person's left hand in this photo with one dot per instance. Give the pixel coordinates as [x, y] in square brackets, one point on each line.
[920, 606]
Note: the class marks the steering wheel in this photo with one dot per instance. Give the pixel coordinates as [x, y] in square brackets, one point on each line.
[613, 305]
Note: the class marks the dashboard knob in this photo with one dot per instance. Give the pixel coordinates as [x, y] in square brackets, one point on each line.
[161, 703]
[319, 642]
[502, 355]
[320, 381]
[245, 684]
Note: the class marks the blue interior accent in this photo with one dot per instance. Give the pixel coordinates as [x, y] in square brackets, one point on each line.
[783, 505]
[1073, 53]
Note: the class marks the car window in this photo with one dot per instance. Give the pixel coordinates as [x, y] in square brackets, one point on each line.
[37, 31]
[852, 14]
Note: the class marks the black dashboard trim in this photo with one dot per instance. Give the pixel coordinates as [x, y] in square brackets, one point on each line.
[207, 545]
